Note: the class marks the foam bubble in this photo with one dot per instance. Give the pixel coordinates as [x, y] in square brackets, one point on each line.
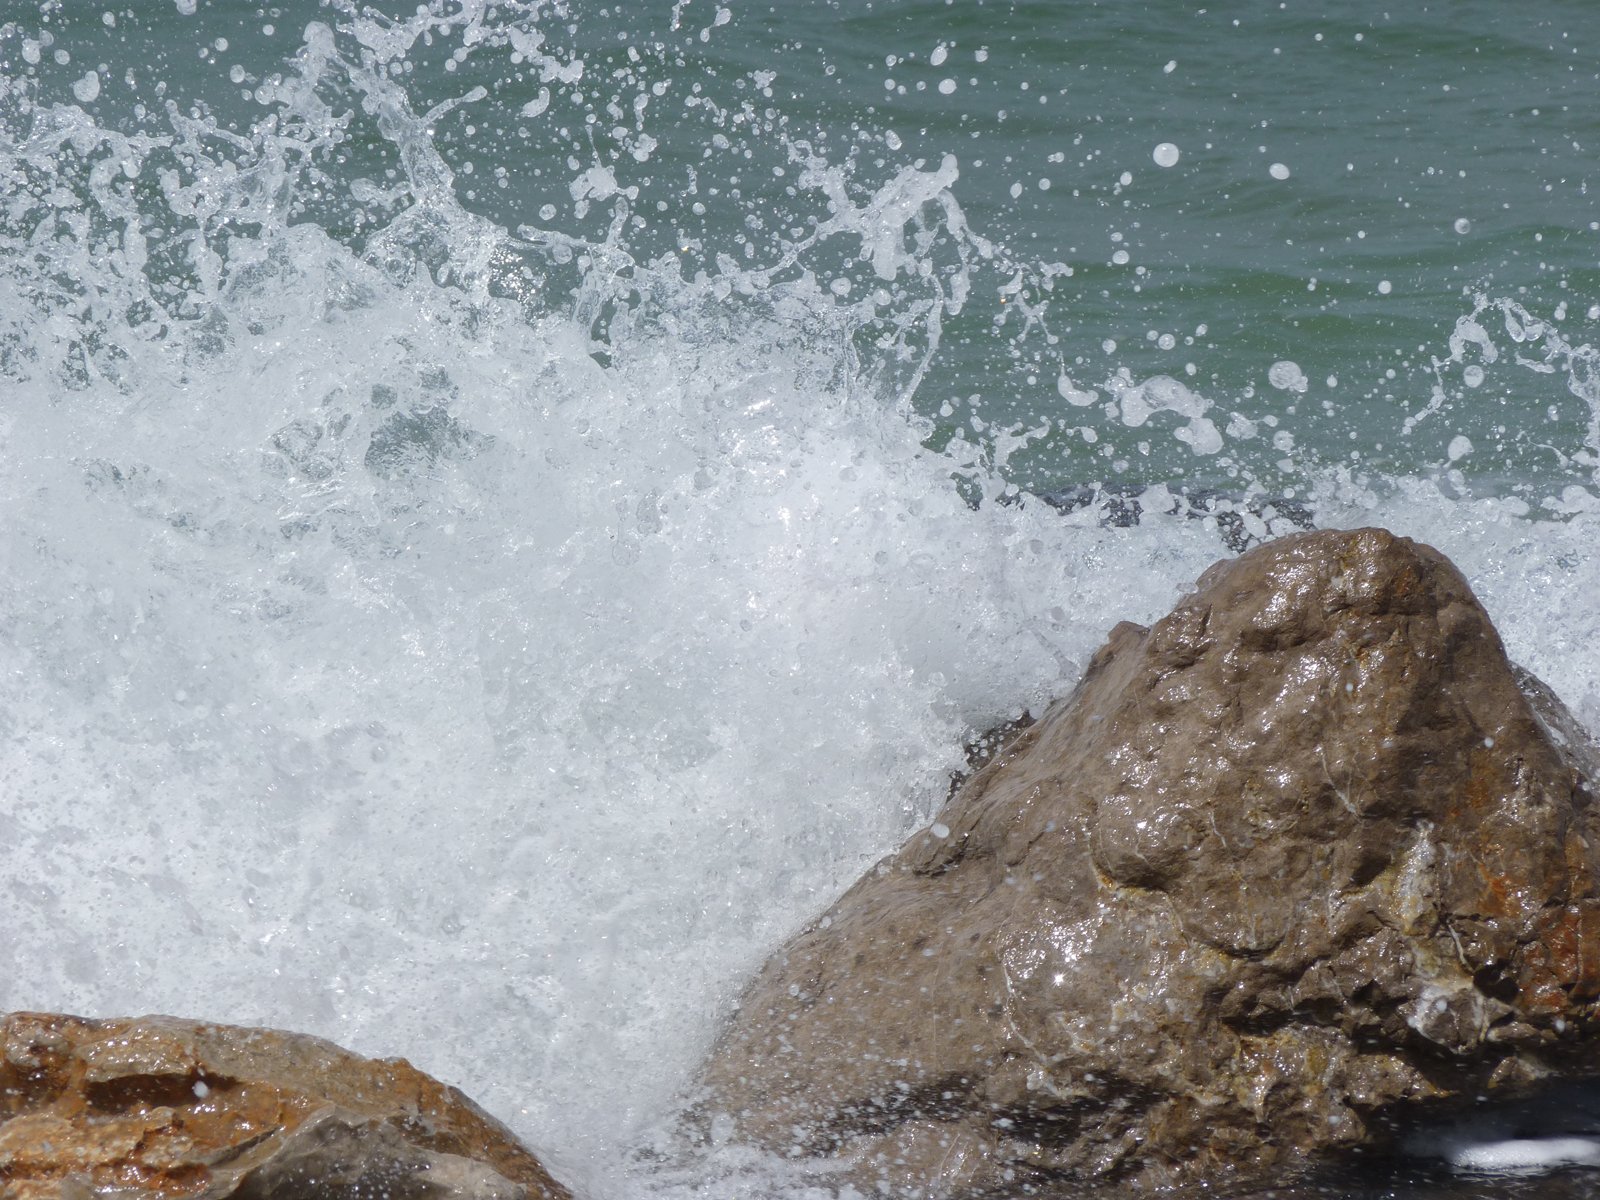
[1287, 376]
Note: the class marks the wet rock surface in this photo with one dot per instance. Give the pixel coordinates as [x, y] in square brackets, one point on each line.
[1307, 851]
[156, 1106]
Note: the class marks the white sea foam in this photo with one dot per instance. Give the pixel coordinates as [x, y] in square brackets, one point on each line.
[1522, 1156]
[439, 691]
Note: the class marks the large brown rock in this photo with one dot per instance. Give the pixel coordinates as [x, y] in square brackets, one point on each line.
[156, 1106]
[1308, 848]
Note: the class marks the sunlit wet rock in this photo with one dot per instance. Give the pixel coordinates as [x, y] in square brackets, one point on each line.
[1307, 849]
[156, 1106]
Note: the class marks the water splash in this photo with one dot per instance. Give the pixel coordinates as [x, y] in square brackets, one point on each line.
[483, 640]
[1536, 345]
[401, 655]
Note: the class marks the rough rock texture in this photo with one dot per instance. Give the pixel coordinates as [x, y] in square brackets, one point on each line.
[1308, 847]
[156, 1106]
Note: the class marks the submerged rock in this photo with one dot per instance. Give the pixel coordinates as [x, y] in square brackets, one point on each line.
[1308, 849]
[156, 1106]
[1242, 519]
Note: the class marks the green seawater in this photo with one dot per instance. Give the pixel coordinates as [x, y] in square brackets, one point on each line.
[1347, 180]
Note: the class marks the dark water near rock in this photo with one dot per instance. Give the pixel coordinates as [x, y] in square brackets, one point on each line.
[504, 501]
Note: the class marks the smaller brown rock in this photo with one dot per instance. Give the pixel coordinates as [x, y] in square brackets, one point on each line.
[158, 1106]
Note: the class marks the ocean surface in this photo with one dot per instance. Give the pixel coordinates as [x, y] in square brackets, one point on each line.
[507, 508]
